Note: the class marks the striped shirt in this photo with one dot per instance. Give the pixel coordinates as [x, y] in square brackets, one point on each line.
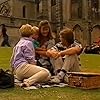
[59, 46]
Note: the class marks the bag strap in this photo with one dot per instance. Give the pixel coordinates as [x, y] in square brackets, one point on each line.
[2, 72]
[12, 57]
[8, 71]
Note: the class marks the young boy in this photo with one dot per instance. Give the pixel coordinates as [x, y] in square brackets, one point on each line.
[23, 59]
[35, 36]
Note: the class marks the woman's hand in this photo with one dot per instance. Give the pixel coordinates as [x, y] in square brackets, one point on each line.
[58, 54]
[52, 53]
[48, 53]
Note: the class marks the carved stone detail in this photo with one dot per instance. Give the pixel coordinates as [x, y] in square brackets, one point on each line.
[5, 9]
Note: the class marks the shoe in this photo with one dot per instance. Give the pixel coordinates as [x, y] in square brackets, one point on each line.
[66, 79]
[30, 88]
[55, 79]
[24, 85]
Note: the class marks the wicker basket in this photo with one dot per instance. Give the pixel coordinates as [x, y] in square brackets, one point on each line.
[84, 80]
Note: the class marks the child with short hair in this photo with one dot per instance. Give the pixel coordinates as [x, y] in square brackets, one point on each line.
[23, 59]
[70, 50]
[35, 37]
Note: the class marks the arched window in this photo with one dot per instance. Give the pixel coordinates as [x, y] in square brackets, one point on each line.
[24, 11]
[95, 9]
[78, 33]
[53, 2]
[53, 10]
[37, 2]
[76, 9]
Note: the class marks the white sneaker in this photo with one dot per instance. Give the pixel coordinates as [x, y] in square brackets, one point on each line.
[30, 88]
[55, 79]
[66, 79]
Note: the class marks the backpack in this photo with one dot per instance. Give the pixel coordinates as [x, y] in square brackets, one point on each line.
[6, 79]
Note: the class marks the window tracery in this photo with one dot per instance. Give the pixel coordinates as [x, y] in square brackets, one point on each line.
[5, 9]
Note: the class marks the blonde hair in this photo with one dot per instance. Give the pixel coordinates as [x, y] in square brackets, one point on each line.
[26, 30]
[35, 30]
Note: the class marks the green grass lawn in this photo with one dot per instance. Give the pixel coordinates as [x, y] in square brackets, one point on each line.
[90, 63]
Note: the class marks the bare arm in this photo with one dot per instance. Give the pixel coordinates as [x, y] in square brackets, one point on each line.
[40, 49]
[71, 51]
[43, 53]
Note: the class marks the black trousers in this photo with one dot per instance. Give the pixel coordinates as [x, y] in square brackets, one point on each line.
[5, 42]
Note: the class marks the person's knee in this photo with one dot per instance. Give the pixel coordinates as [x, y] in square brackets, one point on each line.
[46, 72]
[71, 58]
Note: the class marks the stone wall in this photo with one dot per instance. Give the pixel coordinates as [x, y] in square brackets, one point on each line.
[17, 9]
[12, 25]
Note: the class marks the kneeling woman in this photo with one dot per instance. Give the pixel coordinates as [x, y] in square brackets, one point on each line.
[23, 59]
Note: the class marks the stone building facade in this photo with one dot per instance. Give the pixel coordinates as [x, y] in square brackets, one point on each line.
[14, 13]
[83, 16]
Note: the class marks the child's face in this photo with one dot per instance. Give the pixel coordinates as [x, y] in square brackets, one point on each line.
[64, 42]
[45, 30]
[35, 36]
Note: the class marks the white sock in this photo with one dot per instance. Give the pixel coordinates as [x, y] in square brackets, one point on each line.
[61, 74]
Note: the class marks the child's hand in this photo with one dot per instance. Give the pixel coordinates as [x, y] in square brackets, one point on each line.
[52, 53]
[57, 55]
[49, 53]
